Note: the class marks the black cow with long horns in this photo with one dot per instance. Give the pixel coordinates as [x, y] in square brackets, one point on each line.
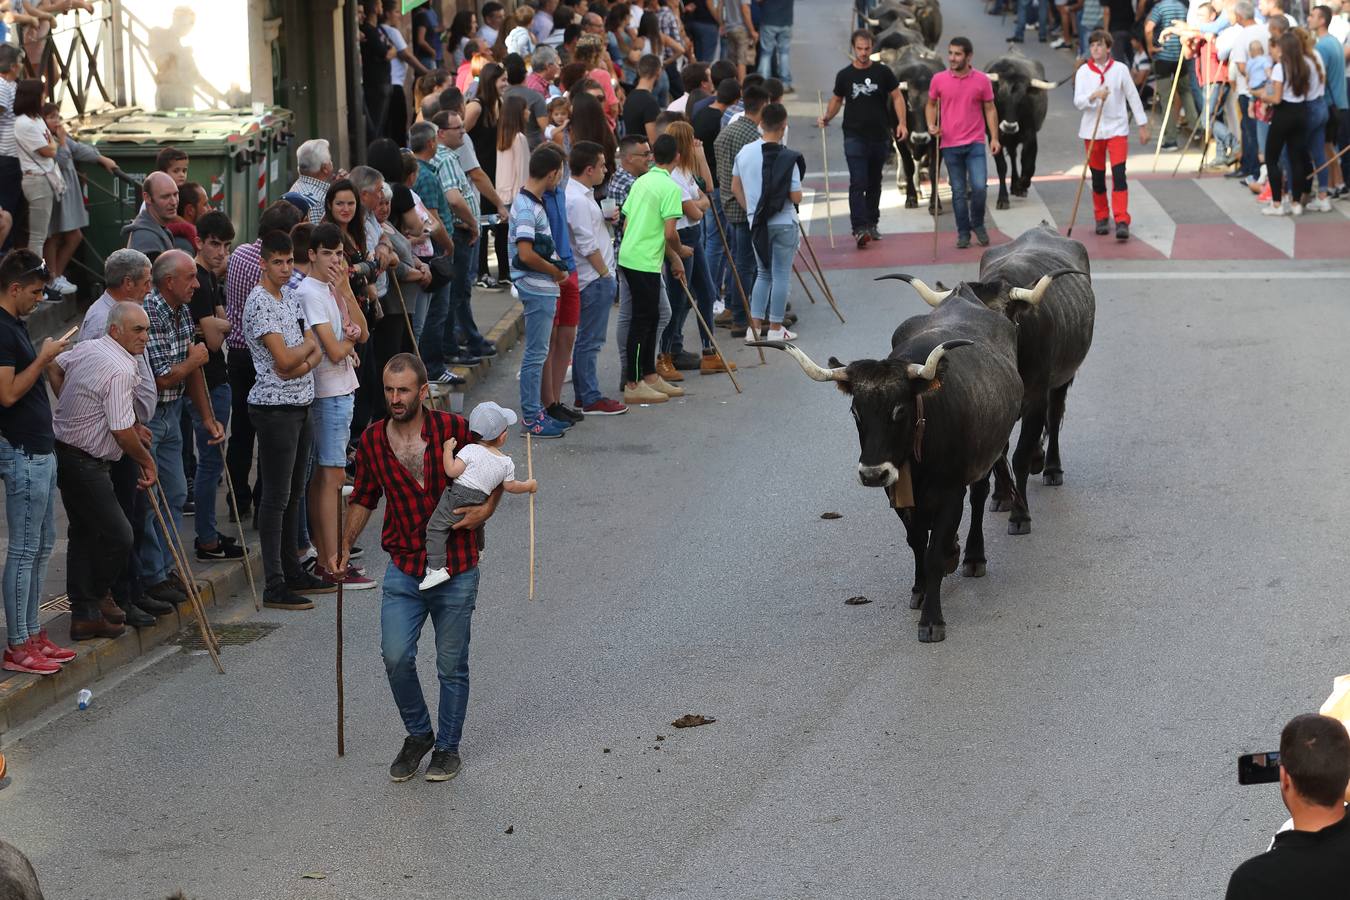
[1054, 333]
[933, 417]
[1021, 101]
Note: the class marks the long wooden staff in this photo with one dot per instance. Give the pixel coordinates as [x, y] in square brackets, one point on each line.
[341, 696]
[937, 208]
[208, 639]
[798, 272]
[825, 163]
[407, 319]
[824, 286]
[179, 552]
[1167, 113]
[243, 542]
[1087, 161]
[529, 469]
[740, 287]
[712, 339]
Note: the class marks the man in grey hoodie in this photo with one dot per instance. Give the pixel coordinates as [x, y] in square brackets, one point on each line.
[146, 232]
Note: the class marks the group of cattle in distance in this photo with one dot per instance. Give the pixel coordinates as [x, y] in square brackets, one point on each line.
[935, 416]
[905, 38]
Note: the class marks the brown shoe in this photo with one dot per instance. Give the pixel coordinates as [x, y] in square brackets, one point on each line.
[88, 629]
[711, 364]
[111, 611]
[665, 367]
[724, 319]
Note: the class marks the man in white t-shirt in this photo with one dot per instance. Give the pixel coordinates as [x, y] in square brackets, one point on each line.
[1246, 31]
[338, 325]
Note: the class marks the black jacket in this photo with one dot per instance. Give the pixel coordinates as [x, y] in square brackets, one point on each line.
[777, 180]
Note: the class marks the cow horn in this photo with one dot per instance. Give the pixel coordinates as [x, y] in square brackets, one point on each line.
[993, 76]
[871, 21]
[904, 85]
[1043, 84]
[1034, 294]
[875, 57]
[928, 371]
[930, 296]
[809, 366]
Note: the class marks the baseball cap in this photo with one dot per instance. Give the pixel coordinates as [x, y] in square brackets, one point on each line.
[490, 420]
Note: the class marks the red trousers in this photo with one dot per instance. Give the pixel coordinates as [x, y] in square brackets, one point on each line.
[1117, 147]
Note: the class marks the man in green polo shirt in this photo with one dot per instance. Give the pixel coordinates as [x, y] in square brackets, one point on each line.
[649, 240]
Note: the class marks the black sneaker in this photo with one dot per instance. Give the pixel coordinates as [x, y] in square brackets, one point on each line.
[221, 550]
[415, 746]
[486, 351]
[167, 592]
[982, 236]
[962, 241]
[189, 507]
[1103, 226]
[285, 599]
[464, 358]
[448, 377]
[310, 584]
[356, 552]
[444, 765]
[1122, 231]
[873, 233]
[685, 361]
[862, 237]
[564, 413]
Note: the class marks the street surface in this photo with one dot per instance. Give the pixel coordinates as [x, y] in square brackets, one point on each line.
[1177, 600]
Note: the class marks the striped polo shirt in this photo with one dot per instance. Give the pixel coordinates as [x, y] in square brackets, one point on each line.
[96, 397]
[8, 147]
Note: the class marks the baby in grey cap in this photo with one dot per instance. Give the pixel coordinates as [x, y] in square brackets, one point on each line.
[474, 473]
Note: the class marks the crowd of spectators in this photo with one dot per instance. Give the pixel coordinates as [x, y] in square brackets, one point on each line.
[625, 157]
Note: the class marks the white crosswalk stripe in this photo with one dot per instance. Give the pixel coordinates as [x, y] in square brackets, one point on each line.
[1237, 204]
[1024, 212]
[1149, 222]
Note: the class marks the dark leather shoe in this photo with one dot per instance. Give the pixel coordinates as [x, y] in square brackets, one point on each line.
[88, 629]
[166, 592]
[136, 617]
[152, 606]
[111, 611]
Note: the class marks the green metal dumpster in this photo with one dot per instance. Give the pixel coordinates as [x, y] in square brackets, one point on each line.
[239, 155]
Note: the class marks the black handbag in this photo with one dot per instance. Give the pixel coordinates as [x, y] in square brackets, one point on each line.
[442, 270]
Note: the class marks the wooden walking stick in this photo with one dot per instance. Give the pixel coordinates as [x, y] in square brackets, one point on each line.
[529, 473]
[243, 542]
[798, 272]
[736, 273]
[825, 164]
[937, 172]
[208, 638]
[407, 319]
[712, 338]
[1167, 113]
[341, 697]
[1087, 161]
[820, 273]
[1314, 172]
[179, 551]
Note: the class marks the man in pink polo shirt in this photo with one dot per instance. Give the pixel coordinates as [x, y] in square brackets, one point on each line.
[966, 98]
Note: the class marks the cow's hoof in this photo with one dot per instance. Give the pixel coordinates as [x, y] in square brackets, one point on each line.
[1015, 527]
[931, 634]
[1019, 192]
[911, 203]
[915, 599]
[1053, 478]
[1000, 504]
[972, 569]
[1002, 203]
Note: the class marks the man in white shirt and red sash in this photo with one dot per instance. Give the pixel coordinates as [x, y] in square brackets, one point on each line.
[1105, 92]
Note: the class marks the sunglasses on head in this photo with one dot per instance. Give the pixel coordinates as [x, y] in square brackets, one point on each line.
[39, 269]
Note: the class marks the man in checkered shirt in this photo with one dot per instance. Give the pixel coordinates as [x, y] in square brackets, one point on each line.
[177, 366]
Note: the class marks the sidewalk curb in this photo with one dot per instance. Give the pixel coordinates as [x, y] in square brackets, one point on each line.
[25, 697]
[508, 331]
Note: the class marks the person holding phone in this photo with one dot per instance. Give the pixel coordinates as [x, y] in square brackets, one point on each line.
[1312, 860]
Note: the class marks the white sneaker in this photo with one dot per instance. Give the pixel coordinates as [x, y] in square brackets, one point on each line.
[719, 307]
[1058, 43]
[750, 335]
[1261, 179]
[1297, 209]
[63, 286]
[1321, 204]
[782, 334]
[1275, 209]
[433, 578]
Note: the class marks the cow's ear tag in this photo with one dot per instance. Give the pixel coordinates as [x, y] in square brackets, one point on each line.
[901, 493]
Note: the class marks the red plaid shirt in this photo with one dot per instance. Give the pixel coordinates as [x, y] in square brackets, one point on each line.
[409, 505]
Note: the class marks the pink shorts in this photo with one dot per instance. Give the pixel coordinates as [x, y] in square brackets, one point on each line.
[569, 303]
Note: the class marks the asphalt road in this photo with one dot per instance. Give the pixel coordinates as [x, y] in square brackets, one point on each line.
[1178, 599]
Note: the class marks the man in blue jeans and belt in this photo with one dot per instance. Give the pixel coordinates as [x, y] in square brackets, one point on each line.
[872, 100]
[399, 459]
[962, 100]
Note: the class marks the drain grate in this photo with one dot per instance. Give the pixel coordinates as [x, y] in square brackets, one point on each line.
[229, 635]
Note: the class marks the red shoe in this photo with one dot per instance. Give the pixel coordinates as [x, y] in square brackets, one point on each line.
[353, 580]
[605, 407]
[1264, 196]
[28, 658]
[52, 651]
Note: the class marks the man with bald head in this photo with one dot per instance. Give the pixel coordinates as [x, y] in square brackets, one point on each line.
[148, 232]
[95, 424]
[177, 366]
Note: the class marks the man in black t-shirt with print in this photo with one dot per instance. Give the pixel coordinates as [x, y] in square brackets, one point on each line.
[1312, 860]
[207, 308]
[869, 95]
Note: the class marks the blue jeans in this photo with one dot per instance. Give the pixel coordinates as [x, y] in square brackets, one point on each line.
[865, 158]
[596, 300]
[403, 611]
[1251, 145]
[715, 253]
[775, 39]
[1024, 13]
[743, 255]
[1218, 128]
[210, 464]
[460, 328]
[539, 310]
[431, 341]
[772, 281]
[696, 275]
[1314, 130]
[967, 171]
[167, 446]
[30, 514]
[705, 38]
